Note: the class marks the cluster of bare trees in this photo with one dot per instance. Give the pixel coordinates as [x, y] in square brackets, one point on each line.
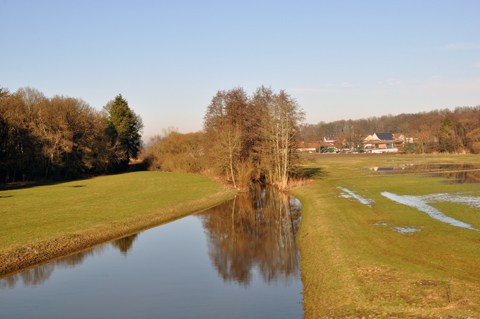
[63, 137]
[252, 137]
[442, 130]
[244, 138]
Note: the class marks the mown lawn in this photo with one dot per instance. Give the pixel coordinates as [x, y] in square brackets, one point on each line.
[353, 261]
[41, 222]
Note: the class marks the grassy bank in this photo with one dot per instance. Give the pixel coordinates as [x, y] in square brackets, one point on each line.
[40, 223]
[356, 260]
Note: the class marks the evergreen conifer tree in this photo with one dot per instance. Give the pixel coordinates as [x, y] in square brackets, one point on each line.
[124, 128]
[446, 135]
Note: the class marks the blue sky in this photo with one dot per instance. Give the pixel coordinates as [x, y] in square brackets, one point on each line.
[339, 59]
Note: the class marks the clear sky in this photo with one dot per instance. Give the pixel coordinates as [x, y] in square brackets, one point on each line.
[339, 59]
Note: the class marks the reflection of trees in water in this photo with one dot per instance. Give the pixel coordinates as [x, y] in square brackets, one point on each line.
[124, 244]
[256, 229]
[78, 258]
[40, 274]
[462, 177]
[31, 277]
[462, 173]
[456, 173]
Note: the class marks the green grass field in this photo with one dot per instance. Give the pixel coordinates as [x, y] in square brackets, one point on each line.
[39, 223]
[354, 262]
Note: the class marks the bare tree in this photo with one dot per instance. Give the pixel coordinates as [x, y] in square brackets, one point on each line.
[280, 127]
[224, 125]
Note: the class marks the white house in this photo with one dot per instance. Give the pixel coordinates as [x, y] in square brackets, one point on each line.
[381, 143]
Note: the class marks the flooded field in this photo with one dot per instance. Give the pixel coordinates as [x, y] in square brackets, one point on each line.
[393, 240]
[454, 172]
[422, 203]
[236, 260]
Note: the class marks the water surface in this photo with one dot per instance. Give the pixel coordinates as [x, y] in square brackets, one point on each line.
[236, 260]
[456, 173]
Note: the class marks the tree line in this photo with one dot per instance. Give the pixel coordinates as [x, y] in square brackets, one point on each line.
[63, 137]
[244, 138]
[443, 130]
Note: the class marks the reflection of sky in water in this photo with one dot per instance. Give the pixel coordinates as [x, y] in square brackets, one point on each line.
[38, 275]
[455, 173]
[421, 203]
[472, 201]
[401, 230]
[165, 272]
[351, 194]
[255, 231]
[405, 230]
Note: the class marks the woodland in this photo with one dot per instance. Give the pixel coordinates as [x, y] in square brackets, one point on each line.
[442, 130]
[62, 137]
[244, 137]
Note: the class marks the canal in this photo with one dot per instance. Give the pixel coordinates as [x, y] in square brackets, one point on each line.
[236, 260]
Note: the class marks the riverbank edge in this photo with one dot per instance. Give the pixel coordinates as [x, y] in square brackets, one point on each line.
[18, 259]
[312, 279]
[331, 288]
[324, 270]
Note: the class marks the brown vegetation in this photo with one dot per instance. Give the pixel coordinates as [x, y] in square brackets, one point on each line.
[244, 139]
[174, 152]
[63, 137]
[447, 131]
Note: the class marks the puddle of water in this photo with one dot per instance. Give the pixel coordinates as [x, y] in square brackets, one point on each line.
[380, 223]
[405, 230]
[471, 201]
[421, 203]
[401, 230]
[351, 194]
[455, 173]
[236, 260]
[462, 177]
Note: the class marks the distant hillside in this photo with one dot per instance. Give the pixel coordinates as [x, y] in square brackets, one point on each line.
[442, 130]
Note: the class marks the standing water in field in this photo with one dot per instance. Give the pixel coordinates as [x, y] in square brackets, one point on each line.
[351, 194]
[456, 173]
[236, 260]
[422, 204]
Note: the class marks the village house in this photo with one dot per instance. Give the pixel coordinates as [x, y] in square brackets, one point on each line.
[329, 140]
[405, 140]
[306, 147]
[383, 142]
